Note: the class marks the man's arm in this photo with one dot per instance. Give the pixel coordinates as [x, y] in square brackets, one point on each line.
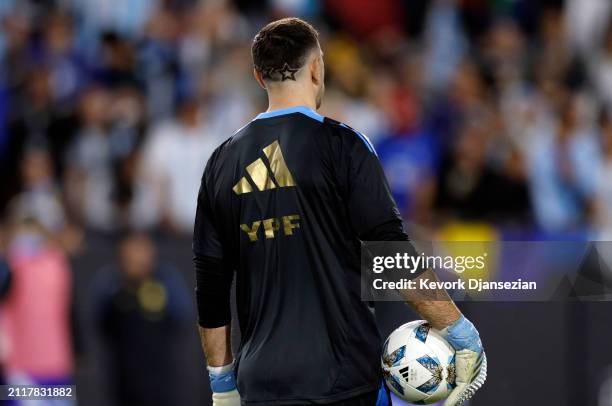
[375, 217]
[216, 343]
[439, 313]
[217, 347]
[443, 315]
[213, 287]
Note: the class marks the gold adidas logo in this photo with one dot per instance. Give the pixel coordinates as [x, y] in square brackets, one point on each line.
[265, 177]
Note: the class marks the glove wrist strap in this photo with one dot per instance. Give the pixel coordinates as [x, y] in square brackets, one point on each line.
[222, 379]
[462, 335]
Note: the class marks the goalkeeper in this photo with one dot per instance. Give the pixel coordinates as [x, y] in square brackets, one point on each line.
[284, 204]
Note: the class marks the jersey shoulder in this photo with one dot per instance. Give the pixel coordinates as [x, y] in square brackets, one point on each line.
[216, 156]
[349, 135]
[225, 145]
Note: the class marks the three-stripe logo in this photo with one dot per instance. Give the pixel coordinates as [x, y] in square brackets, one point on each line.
[266, 175]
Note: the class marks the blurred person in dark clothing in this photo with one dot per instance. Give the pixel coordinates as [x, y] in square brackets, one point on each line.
[34, 122]
[141, 306]
[468, 98]
[127, 133]
[116, 66]
[470, 188]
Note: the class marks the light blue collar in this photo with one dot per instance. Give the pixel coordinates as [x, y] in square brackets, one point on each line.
[298, 109]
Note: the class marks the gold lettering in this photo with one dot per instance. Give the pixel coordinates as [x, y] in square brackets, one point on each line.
[252, 231]
[288, 225]
[270, 226]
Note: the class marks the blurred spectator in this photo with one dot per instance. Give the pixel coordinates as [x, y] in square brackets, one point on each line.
[299, 8]
[359, 96]
[408, 151]
[466, 99]
[35, 122]
[101, 161]
[158, 66]
[562, 157]
[480, 111]
[15, 39]
[554, 54]
[66, 66]
[601, 66]
[410, 162]
[131, 99]
[469, 188]
[37, 319]
[603, 218]
[363, 17]
[127, 121]
[223, 94]
[90, 160]
[140, 307]
[40, 196]
[126, 17]
[117, 62]
[444, 41]
[587, 20]
[170, 170]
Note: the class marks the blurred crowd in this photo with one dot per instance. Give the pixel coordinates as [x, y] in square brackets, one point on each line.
[481, 111]
[493, 114]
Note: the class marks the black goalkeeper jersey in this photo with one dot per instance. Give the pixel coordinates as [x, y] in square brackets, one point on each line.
[285, 203]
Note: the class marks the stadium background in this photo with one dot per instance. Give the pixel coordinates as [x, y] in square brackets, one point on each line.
[490, 118]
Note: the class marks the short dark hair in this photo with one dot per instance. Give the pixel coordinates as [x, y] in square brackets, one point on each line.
[283, 45]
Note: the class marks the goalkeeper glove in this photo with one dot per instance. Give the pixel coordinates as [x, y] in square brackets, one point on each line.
[470, 360]
[223, 385]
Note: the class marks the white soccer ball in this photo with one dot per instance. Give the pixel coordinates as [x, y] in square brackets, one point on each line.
[418, 364]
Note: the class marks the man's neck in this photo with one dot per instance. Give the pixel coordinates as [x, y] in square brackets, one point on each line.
[285, 101]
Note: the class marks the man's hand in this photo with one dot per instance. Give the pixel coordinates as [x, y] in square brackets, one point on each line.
[223, 385]
[470, 360]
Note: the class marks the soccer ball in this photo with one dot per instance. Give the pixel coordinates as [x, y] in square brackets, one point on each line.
[418, 364]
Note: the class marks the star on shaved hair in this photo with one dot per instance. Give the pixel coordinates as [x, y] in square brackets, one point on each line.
[287, 73]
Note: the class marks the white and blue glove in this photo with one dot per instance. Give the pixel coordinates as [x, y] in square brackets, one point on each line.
[223, 385]
[470, 360]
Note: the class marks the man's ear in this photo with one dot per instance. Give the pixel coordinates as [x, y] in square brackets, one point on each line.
[259, 78]
[316, 70]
